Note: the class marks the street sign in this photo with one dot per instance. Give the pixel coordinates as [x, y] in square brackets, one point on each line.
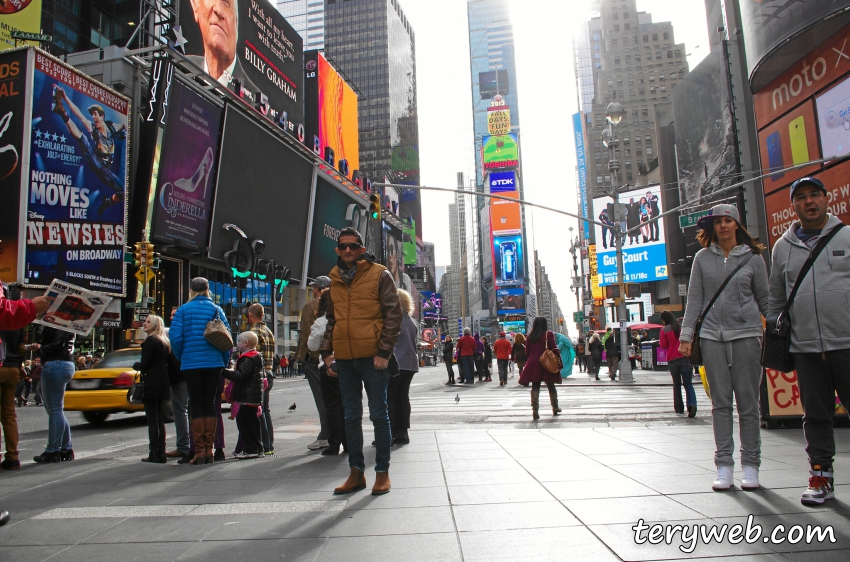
[683, 290]
[691, 220]
[144, 311]
[578, 317]
[145, 275]
[24, 36]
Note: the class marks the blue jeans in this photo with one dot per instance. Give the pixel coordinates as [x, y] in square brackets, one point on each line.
[467, 364]
[180, 408]
[355, 374]
[55, 376]
[682, 372]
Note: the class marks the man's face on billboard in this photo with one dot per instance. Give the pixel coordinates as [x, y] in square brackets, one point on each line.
[217, 22]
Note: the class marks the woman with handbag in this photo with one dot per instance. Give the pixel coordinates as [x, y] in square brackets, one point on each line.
[199, 336]
[680, 368]
[543, 356]
[727, 295]
[398, 389]
[157, 390]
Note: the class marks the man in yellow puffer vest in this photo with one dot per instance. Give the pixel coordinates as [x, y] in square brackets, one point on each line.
[364, 320]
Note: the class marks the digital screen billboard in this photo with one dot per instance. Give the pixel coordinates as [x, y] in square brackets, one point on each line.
[330, 112]
[834, 119]
[334, 210]
[506, 216]
[77, 177]
[19, 15]
[432, 305]
[645, 250]
[500, 151]
[510, 301]
[514, 327]
[283, 203]
[13, 122]
[501, 182]
[790, 140]
[508, 261]
[250, 41]
[393, 258]
[185, 173]
[493, 82]
[581, 160]
[498, 120]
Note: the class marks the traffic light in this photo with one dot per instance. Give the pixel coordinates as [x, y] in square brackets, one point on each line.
[375, 207]
[633, 290]
[137, 254]
[612, 291]
[148, 254]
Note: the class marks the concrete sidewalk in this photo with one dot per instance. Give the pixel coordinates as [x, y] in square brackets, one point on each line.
[498, 494]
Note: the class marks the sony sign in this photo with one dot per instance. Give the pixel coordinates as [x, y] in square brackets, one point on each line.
[501, 182]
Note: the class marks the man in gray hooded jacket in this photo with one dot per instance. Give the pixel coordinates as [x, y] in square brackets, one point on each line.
[820, 333]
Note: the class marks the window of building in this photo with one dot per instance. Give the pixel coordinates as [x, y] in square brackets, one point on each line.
[634, 40]
[648, 139]
[616, 60]
[655, 37]
[596, 37]
[638, 140]
[652, 77]
[637, 58]
[626, 140]
[669, 54]
[598, 179]
[628, 164]
[596, 144]
[652, 89]
[662, 77]
[616, 28]
[625, 15]
[619, 82]
[598, 156]
[628, 152]
[628, 59]
[646, 38]
[666, 36]
[658, 55]
[631, 80]
[599, 167]
[649, 151]
[627, 26]
[641, 91]
[616, 16]
[644, 111]
[672, 76]
[638, 152]
[614, 41]
[607, 179]
[634, 113]
[663, 89]
[640, 79]
[631, 95]
[678, 53]
[629, 176]
[681, 73]
[596, 46]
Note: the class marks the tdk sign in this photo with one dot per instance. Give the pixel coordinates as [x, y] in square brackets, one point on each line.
[502, 181]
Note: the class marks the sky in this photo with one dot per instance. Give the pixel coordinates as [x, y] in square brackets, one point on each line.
[546, 85]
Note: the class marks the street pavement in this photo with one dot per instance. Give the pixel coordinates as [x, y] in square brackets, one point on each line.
[478, 481]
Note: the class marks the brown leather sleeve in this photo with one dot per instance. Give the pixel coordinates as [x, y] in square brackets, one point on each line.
[307, 319]
[391, 311]
[327, 347]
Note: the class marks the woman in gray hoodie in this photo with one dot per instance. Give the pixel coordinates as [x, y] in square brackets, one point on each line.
[730, 336]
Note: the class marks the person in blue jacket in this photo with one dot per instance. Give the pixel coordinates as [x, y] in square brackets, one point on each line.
[568, 354]
[200, 364]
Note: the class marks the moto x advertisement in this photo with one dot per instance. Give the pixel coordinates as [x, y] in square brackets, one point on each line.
[76, 180]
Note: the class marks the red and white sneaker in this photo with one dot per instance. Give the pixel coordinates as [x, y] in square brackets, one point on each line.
[820, 487]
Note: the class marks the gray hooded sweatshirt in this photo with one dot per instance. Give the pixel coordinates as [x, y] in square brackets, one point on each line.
[737, 312]
[820, 311]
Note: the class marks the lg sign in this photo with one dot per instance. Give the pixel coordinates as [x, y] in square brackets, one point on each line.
[501, 182]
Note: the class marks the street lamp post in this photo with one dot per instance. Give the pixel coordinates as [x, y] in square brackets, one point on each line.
[576, 286]
[614, 114]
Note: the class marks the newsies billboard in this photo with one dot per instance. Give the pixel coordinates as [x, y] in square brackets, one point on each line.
[74, 180]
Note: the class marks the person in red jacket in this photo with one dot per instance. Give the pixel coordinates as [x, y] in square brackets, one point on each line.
[502, 349]
[466, 356]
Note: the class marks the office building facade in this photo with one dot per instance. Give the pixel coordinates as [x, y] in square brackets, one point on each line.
[308, 19]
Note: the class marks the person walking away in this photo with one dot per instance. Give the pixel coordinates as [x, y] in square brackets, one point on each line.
[729, 337]
[22, 392]
[594, 348]
[56, 348]
[479, 356]
[612, 353]
[488, 359]
[568, 354]
[364, 318]
[518, 354]
[448, 359]
[502, 349]
[466, 357]
[398, 390]
[820, 333]
[679, 365]
[200, 363]
[36, 380]
[265, 347]
[310, 359]
[580, 354]
[154, 369]
[539, 340]
[248, 378]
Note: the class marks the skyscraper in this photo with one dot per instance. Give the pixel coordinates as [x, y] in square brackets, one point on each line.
[384, 70]
[308, 19]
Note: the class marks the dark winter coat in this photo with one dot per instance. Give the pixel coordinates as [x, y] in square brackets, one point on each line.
[533, 370]
[448, 351]
[56, 345]
[247, 378]
[154, 369]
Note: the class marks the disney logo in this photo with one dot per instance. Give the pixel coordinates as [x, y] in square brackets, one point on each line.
[34, 215]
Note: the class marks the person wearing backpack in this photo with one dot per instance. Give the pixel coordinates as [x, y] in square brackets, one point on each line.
[729, 336]
[679, 365]
[820, 333]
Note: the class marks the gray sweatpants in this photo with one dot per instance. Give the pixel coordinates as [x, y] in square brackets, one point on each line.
[734, 367]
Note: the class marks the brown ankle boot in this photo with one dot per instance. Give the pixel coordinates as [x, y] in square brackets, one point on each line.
[382, 484]
[210, 426]
[197, 427]
[535, 403]
[553, 399]
[356, 481]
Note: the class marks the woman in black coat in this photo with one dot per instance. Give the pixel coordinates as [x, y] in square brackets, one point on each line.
[448, 358]
[154, 369]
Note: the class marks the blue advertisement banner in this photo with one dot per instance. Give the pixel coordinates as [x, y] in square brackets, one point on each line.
[581, 160]
[510, 301]
[501, 182]
[76, 205]
[508, 261]
[432, 305]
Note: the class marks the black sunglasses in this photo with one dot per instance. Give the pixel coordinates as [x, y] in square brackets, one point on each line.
[342, 246]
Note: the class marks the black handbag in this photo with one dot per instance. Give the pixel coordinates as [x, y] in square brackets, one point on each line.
[776, 345]
[695, 358]
[136, 394]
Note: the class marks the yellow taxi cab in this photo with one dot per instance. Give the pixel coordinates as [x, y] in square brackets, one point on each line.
[102, 391]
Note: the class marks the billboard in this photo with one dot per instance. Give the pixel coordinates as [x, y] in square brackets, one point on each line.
[13, 123]
[498, 120]
[185, 172]
[249, 41]
[506, 216]
[790, 140]
[501, 182]
[76, 181]
[593, 268]
[334, 210]
[500, 151]
[330, 113]
[833, 112]
[432, 305]
[510, 301]
[581, 163]
[493, 82]
[19, 15]
[644, 251]
[393, 258]
[514, 327]
[508, 261]
[283, 203]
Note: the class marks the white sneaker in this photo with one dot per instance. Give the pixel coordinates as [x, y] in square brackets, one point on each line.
[751, 478]
[723, 480]
[317, 444]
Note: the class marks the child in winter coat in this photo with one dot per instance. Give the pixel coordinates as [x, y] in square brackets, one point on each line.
[247, 380]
